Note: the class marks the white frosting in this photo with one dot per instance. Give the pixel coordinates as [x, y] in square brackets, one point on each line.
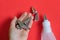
[46, 26]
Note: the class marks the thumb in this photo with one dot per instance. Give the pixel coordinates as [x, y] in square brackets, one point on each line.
[13, 22]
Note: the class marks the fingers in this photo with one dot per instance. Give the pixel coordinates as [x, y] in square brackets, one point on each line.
[28, 15]
[30, 24]
[31, 21]
[13, 22]
[23, 16]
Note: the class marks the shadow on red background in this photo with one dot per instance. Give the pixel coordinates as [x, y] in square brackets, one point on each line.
[4, 34]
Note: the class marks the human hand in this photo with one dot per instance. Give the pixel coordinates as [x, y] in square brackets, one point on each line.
[17, 34]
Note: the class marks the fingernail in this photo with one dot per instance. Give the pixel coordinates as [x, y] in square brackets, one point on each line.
[25, 12]
[15, 17]
[30, 14]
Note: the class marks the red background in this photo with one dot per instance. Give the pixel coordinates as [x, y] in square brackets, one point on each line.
[11, 8]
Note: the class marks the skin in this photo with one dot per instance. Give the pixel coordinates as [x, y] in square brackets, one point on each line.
[17, 34]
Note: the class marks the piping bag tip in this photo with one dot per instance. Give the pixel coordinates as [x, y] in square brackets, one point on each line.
[45, 18]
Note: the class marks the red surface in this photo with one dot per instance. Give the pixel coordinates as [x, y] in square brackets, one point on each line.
[11, 8]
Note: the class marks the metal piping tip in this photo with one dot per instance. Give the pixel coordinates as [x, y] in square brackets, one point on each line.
[33, 10]
[36, 17]
[45, 18]
[26, 21]
[22, 25]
